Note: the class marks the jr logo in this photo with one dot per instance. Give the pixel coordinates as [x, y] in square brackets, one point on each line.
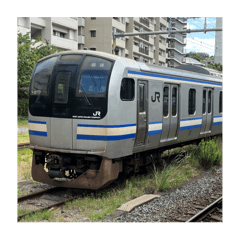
[157, 96]
[97, 113]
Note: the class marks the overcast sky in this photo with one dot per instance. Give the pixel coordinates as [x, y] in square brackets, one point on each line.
[201, 42]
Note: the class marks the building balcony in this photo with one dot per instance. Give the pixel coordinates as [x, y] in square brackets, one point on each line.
[64, 43]
[144, 21]
[38, 21]
[143, 50]
[162, 46]
[119, 25]
[81, 21]
[163, 21]
[135, 48]
[81, 39]
[66, 22]
[161, 58]
[120, 43]
[145, 37]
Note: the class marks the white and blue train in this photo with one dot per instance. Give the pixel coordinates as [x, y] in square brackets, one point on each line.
[94, 115]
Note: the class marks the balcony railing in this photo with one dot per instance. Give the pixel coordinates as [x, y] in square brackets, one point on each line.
[144, 21]
[143, 50]
[145, 37]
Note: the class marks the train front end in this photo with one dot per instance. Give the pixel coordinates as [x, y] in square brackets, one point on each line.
[69, 96]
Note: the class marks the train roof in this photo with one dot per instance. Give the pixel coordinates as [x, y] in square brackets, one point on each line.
[145, 67]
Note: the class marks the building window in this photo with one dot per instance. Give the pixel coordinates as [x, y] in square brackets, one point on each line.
[220, 102]
[127, 89]
[93, 18]
[93, 33]
[93, 49]
[192, 101]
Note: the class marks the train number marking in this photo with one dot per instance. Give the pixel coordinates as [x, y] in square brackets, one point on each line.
[157, 97]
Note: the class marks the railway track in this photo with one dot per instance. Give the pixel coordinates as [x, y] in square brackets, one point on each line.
[206, 214]
[23, 145]
[49, 193]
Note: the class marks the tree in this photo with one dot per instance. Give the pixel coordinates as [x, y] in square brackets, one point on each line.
[216, 66]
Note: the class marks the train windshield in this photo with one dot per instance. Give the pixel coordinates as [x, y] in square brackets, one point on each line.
[93, 78]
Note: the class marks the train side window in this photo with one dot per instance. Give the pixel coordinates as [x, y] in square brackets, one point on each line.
[209, 101]
[142, 106]
[174, 101]
[165, 101]
[191, 101]
[204, 102]
[220, 102]
[127, 89]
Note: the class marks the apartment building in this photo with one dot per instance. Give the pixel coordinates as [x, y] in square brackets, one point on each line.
[95, 33]
[176, 43]
[61, 32]
[143, 48]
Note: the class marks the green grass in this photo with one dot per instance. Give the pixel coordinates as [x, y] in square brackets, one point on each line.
[22, 121]
[24, 155]
[38, 216]
[23, 138]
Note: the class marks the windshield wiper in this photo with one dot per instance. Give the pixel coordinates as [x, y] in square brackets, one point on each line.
[84, 94]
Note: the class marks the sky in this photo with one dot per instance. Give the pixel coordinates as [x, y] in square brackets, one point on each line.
[201, 42]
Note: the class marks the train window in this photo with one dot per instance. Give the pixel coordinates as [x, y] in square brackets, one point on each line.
[127, 89]
[165, 101]
[209, 101]
[42, 76]
[220, 102]
[93, 78]
[191, 101]
[61, 87]
[70, 57]
[174, 101]
[204, 102]
[142, 105]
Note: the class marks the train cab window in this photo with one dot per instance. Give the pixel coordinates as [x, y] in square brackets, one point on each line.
[209, 101]
[127, 89]
[94, 76]
[191, 101]
[204, 102]
[220, 102]
[41, 77]
[61, 87]
[174, 101]
[165, 101]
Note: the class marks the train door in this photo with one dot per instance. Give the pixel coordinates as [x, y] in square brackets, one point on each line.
[170, 112]
[61, 121]
[207, 110]
[142, 113]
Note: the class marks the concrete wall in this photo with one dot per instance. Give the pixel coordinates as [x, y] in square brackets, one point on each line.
[218, 42]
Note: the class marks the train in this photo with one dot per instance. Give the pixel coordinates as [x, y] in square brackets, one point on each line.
[94, 116]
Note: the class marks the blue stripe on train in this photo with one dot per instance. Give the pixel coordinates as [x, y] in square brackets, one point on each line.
[38, 122]
[174, 78]
[190, 127]
[107, 126]
[217, 123]
[154, 132]
[37, 133]
[105, 138]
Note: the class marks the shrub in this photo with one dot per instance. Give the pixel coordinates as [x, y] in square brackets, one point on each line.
[23, 107]
[208, 154]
